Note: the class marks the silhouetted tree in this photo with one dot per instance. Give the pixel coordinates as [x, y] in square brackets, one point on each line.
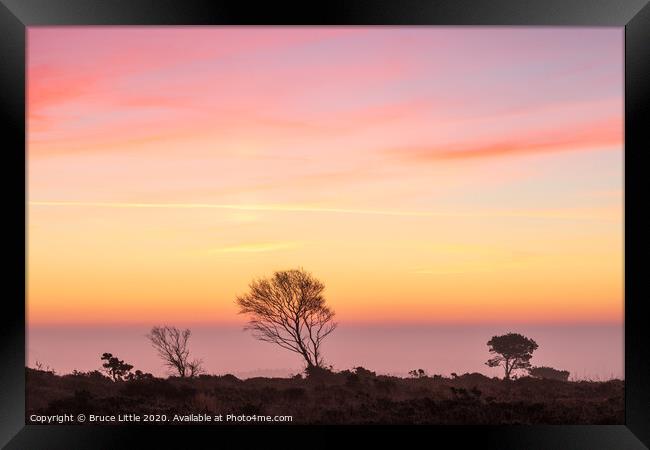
[289, 310]
[549, 373]
[172, 347]
[116, 368]
[512, 350]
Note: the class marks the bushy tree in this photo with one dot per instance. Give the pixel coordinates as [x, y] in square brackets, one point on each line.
[513, 351]
[116, 368]
[289, 310]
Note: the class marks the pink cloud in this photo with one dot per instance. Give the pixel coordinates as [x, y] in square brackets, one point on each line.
[107, 89]
[591, 135]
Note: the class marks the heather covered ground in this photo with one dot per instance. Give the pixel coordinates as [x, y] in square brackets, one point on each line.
[355, 396]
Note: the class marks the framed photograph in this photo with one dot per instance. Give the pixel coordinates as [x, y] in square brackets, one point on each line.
[355, 215]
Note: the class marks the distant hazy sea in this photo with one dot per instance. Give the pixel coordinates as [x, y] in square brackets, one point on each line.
[587, 351]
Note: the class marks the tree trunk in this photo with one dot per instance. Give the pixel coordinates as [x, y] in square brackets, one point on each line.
[303, 350]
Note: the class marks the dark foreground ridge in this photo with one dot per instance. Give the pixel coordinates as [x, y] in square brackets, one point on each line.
[348, 397]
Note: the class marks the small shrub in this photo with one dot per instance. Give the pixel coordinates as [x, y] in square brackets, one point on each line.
[362, 372]
[139, 375]
[419, 373]
[230, 378]
[549, 373]
[315, 373]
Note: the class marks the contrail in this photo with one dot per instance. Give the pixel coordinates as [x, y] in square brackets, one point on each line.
[548, 214]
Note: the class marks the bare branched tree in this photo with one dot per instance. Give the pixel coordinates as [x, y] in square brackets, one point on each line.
[172, 347]
[195, 368]
[289, 310]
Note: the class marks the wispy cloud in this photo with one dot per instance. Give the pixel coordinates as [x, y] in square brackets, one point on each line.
[558, 213]
[595, 134]
[239, 207]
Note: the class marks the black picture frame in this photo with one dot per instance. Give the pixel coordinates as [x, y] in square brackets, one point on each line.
[16, 15]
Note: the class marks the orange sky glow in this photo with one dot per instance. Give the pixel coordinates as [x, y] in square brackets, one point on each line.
[425, 174]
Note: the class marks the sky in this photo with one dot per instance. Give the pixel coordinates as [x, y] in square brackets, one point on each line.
[427, 175]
